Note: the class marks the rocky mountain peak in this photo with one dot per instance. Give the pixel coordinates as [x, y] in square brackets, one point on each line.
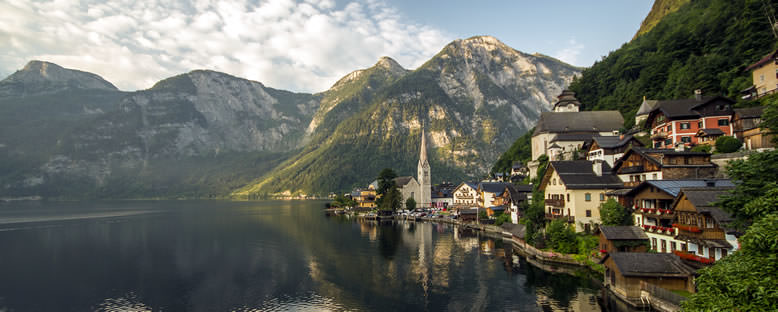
[56, 77]
[390, 64]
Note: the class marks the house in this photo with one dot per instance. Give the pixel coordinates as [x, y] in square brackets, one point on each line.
[575, 189]
[704, 227]
[465, 194]
[609, 148]
[764, 75]
[622, 239]
[518, 171]
[676, 122]
[624, 272]
[489, 193]
[514, 198]
[467, 214]
[645, 107]
[643, 164]
[569, 128]
[746, 124]
[708, 136]
[443, 195]
[652, 204]
[366, 198]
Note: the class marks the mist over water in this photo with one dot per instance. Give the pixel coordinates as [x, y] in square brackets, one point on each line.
[259, 256]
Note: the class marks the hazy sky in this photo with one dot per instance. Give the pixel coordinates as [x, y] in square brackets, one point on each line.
[303, 45]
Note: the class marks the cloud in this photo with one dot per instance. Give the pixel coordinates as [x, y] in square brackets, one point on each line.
[570, 53]
[288, 44]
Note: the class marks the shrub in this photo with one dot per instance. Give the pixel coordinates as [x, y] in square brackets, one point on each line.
[727, 144]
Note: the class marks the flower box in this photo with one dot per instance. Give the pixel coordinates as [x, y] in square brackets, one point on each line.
[693, 257]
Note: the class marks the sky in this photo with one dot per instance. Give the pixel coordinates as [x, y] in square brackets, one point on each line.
[296, 45]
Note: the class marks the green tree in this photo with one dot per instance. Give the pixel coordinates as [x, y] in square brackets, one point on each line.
[751, 199]
[385, 180]
[702, 148]
[770, 118]
[746, 280]
[502, 218]
[561, 237]
[410, 203]
[613, 213]
[727, 144]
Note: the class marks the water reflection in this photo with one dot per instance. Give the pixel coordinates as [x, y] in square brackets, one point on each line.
[258, 256]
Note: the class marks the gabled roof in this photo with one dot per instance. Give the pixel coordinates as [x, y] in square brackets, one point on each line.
[650, 264]
[705, 199]
[579, 174]
[493, 187]
[677, 109]
[589, 121]
[646, 107]
[518, 193]
[673, 187]
[614, 141]
[402, 181]
[763, 61]
[647, 154]
[623, 233]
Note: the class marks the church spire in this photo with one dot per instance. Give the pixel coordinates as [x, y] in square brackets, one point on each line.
[423, 152]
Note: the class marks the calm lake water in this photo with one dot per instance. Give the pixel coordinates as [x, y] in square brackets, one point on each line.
[259, 256]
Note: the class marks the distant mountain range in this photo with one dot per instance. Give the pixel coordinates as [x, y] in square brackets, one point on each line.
[70, 134]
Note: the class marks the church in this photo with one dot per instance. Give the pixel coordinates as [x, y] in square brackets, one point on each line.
[419, 188]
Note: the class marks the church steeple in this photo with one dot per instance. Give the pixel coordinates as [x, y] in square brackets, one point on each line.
[425, 183]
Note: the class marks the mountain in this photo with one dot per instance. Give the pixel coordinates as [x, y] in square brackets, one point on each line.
[703, 45]
[473, 98]
[44, 77]
[659, 10]
[71, 134]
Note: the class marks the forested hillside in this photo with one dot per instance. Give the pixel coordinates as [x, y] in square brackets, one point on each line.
[704, 45]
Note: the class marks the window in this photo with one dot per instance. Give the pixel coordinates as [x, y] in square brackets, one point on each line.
[653, 243]
[588, 213]
[686, 139]
[685, 125]
[723, 122]
[761, 78]
[672, 246]
[664, 245]
[588, 197]
[568, 197]
[699, 124]
[654, 176]
[668, 142]
[723, 252]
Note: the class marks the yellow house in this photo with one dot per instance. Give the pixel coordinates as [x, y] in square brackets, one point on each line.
[575, 189]
[367, 198]
[765, 74]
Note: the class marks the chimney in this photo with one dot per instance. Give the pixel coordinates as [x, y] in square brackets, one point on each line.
[698, 94]
[597, 167]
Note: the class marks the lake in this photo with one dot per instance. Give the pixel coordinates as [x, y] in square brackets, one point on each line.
[260, 256]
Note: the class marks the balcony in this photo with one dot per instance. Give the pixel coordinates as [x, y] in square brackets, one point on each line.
[569, 219]
[693, 257]
[659, 136]
[632, 169]
[557, 203]
[659, 229]
[666, 213]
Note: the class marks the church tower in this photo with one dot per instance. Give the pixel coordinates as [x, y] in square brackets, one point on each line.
[425, 184]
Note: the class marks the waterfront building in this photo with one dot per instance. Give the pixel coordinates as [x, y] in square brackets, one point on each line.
[514, 198]
[465, 194]
[676, 122]
[489, 193]
[705, 228]
[443, 195]
[408, 187]
[622, 239]
[575, 189]
[626, 273]
[643, 164]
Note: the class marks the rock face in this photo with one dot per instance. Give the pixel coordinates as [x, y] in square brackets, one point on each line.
[474, 98]
[68, 133]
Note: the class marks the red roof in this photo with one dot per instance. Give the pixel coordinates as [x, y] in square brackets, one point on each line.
[763, 61]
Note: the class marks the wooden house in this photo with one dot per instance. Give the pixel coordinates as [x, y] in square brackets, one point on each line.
[652, 204]
[622, 239]
[514, 198]
[746, 123]
[624, 271]
[467, 215]
[488, 193]
[643, 164]
[609, 148]
[704, 227]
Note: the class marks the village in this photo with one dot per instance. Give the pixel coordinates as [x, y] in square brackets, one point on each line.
[668, 175]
